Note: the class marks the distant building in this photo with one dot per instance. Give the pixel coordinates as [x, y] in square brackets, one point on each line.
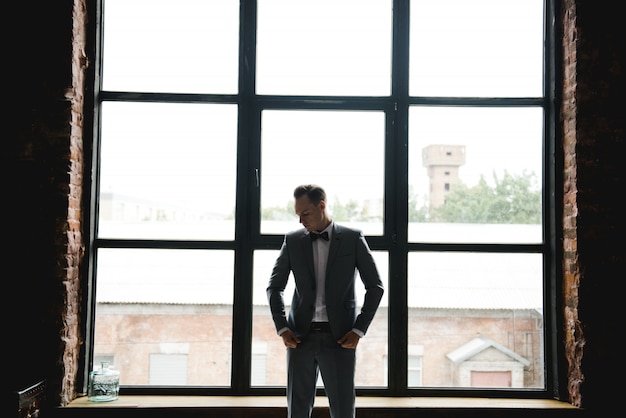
[442, 163]
[166, 317]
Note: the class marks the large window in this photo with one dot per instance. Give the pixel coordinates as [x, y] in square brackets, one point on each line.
[427, 122]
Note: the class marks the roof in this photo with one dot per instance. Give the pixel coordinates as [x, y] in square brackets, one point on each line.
[452, 280]
[479, 344]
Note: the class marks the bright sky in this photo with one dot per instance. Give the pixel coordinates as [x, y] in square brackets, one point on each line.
[458, 48]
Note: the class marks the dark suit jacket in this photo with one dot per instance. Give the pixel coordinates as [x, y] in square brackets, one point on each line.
[348, 253]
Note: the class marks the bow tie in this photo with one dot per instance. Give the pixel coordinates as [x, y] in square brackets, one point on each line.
[323, 235]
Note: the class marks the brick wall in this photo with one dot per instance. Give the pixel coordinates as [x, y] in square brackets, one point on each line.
[594, 150]
[47, 147]
[574, 340]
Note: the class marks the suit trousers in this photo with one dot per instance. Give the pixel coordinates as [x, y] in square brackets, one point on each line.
[319, 352]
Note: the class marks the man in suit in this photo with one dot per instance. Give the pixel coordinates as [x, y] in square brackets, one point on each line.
[323, 328]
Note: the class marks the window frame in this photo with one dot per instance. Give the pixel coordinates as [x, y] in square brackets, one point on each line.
[394, 239]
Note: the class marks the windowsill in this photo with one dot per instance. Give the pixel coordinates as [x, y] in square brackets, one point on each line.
[362, 403]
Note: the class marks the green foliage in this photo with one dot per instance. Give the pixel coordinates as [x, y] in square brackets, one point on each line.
[279, 213]
[351, 211]
[512, 200]
[417, 212]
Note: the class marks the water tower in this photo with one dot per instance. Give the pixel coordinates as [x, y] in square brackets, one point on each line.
[442, 163]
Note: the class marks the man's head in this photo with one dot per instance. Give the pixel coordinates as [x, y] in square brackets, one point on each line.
[310, 206]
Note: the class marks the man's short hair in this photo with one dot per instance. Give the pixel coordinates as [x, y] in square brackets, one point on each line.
[315, 193]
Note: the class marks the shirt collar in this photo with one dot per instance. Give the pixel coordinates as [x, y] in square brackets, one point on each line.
[328, 229]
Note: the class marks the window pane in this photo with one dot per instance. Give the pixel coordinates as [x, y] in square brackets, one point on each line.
[414, 364]
[372, 351]
[488, 48]
[475, 312]
[167, 171]
[324, 47]
[167, 302]
[342, 151]
[168, 369]
[475, 174]
[183, 46]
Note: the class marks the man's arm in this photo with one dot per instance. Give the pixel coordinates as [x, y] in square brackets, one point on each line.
[276, 287]
[374, 289]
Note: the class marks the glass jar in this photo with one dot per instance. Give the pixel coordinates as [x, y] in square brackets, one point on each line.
[104, 384]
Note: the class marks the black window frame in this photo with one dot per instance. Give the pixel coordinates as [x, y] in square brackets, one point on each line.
[394, 239]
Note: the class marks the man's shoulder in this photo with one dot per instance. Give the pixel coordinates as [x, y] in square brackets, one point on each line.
[342, 229]
[296, 233]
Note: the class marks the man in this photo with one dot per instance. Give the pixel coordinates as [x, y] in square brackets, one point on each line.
[323, 328]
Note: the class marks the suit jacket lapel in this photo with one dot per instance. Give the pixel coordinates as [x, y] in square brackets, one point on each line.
[307, 245]
[335, 243]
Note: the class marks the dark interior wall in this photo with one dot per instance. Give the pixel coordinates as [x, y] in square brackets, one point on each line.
[39, 68]
[42, 293]
[598, 153]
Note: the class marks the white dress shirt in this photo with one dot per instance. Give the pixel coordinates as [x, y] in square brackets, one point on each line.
[320, 261]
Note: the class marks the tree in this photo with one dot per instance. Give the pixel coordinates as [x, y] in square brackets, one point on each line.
[278, 213]
[418, 212]
[512, 200]
[351, 211]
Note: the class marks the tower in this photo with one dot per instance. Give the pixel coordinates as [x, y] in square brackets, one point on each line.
[442, 163]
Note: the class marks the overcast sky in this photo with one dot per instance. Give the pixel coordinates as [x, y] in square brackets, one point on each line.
[458, 48]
